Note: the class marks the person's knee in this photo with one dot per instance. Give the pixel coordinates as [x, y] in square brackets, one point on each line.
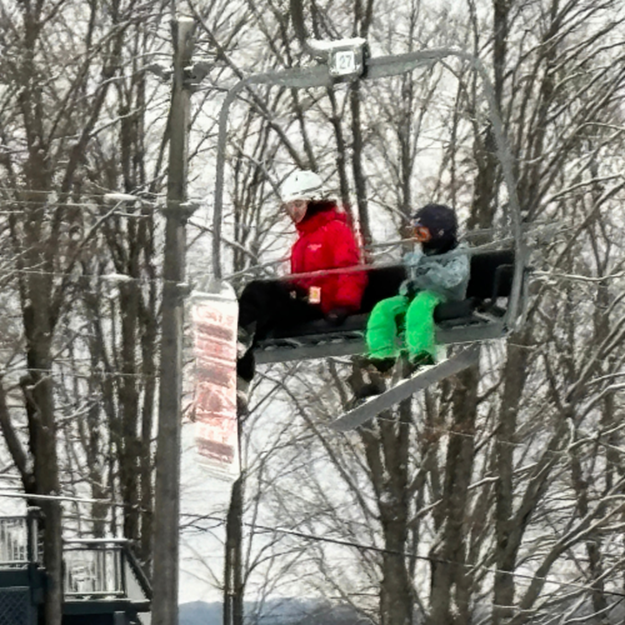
[252, 290]
[390, 307]
[423, 303]
[254, 302]
[385, 318]
[420, 335]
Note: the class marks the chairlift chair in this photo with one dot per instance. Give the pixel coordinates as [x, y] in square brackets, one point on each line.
[484, 314]
[496, 292]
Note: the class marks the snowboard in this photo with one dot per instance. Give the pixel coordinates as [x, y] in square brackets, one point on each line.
[214, 318]
[421, 379]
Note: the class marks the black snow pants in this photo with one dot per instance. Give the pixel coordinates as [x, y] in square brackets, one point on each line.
[268, 304]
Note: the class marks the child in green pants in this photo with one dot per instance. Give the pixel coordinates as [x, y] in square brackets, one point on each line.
[437, 271]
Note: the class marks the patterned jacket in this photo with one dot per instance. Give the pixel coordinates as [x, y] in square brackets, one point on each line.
[445, 274]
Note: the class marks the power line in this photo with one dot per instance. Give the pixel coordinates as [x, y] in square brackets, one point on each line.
[404, 554]
[47, 192]
[92, 374]
[552, 275]
[112, 277]
[595, 438]
[38, 497]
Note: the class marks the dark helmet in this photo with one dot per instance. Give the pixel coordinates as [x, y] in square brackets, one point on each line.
[442, 226]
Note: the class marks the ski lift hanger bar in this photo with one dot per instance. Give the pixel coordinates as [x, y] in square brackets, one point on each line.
[321, 76]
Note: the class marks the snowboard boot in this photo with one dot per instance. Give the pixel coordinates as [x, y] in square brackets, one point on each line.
[424, 359]
[380, 365]
[243, 391]
[245, 339]
[369, 377]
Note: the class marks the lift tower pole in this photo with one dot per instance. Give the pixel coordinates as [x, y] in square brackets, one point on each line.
[177, 211]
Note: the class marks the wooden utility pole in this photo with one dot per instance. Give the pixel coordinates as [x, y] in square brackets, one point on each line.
[167, 498]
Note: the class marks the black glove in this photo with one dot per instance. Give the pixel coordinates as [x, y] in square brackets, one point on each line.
[337, 316]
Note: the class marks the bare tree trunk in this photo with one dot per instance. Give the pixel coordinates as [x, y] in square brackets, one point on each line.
[146, 496]
[387, 452]
[448, 557]
[37, 388]
[396, 594]
[39, 319]
[514, 380]
[233, 567]
[128, 443]
[363, 12]
[357, 167]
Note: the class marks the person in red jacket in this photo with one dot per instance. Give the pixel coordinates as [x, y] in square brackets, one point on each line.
[325, 242]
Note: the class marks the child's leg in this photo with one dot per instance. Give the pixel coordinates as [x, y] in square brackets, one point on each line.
[420, 331]
[382, 327]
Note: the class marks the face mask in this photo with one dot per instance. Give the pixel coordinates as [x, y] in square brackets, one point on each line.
[296, 210]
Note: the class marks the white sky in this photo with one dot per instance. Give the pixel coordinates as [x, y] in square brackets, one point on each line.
[201, 493]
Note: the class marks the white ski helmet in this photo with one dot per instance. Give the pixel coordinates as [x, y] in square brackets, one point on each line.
[303, 185]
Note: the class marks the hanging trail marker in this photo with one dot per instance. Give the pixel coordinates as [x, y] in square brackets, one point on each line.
[214, 316]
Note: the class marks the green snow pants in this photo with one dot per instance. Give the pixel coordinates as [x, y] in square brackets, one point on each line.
[397, 323]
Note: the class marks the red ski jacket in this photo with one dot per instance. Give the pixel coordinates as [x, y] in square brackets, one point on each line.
[326, 242]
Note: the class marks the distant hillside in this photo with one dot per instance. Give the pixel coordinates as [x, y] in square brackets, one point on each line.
[200, 613]
[274, 612]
